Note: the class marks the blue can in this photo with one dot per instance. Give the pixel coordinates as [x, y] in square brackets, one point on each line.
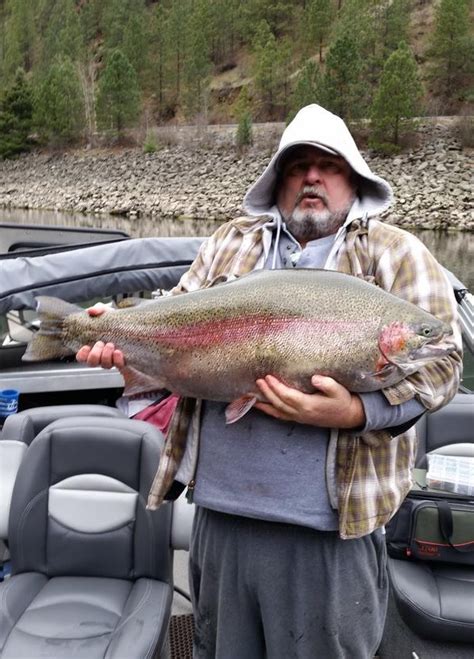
[8, 401]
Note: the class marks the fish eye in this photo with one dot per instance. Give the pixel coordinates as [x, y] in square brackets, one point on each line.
[426, 331]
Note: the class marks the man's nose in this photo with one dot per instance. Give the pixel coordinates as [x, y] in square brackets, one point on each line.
[313, 174]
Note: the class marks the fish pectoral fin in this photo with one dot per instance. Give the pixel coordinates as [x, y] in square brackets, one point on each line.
[137, 382]
[383, 370]
[239, 407]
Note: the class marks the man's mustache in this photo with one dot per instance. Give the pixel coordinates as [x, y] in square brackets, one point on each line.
[311, 191]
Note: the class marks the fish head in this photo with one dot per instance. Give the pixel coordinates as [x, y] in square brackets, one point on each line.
[412, 344]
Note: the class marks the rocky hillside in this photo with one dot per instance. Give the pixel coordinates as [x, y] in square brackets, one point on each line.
[199, 174]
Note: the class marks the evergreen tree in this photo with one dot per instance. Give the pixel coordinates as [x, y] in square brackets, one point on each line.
[62, 35]
[59, 112]
[361, 23]
[396, 19]
[397, 99]
[176, 31]
[266, 79]
[224, 30]
[118, 99]
[244, 135]
[277, 14]
[19, 37]
[156, 61]
[125, 27]
[452, 46]
[284, 67]
[16, 115]
[307, 89]
[197, 64]
[317, 18]
[341, 85]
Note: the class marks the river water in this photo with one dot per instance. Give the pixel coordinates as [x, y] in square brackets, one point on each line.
[454, 250]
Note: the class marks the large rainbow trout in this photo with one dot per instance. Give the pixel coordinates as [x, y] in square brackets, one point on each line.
[214, 343]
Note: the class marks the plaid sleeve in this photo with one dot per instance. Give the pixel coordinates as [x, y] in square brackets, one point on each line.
[407, 269]
[228, 253]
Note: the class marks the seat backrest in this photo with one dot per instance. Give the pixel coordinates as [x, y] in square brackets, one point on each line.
[25, 425]
[452, 424]
[79, 502]
[18, 432]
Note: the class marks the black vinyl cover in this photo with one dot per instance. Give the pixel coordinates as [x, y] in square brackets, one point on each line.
[126, 266]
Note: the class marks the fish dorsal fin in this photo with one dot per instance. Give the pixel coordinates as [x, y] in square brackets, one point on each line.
[239, 407]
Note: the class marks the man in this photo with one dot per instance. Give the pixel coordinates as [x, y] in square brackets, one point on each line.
[288, 554]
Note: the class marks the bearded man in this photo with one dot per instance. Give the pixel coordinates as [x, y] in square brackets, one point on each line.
[287, 554]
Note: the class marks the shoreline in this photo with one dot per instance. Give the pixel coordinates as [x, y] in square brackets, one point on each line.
[200, 175]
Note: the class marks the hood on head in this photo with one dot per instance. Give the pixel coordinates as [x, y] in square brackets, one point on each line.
[315, 126]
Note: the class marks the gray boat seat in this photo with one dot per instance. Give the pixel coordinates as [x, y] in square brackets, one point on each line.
[91, 567]
[452, 424]
[436, 600]
[18, 432]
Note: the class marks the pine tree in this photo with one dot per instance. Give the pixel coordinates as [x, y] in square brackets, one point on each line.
[157, 55]
[452, 46]
[118, 99]
[307, 89]
[19, 38]
[125, 28]
[341, 85]
[176, 31]
[361, 24]
[397, 99]
[266, 79]
[197, 64]
[16, 116]
[62, 36]
[224, 30]
[277, 14]
[396, 19]
[317, 18]
[59, 112]
[244, 135]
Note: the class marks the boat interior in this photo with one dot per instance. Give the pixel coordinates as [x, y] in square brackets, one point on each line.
[86, 570]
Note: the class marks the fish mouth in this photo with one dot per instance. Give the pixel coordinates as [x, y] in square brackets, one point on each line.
[430, 351]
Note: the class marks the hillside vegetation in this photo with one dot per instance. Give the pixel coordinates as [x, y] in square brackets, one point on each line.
[73, 69]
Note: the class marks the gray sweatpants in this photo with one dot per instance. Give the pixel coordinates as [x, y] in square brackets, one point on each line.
[265, 589]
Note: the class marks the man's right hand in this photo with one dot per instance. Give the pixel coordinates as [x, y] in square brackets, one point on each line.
[100, 354]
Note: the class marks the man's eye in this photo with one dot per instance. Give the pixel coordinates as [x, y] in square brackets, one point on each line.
[330, 166]
[297, 168]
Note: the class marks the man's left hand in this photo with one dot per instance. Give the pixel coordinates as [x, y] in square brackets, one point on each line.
[332, 406]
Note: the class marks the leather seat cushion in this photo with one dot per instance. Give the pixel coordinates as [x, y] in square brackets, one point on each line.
[434, 599]
[84, 617]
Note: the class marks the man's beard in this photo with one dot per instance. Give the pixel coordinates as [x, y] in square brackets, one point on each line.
[310, 224]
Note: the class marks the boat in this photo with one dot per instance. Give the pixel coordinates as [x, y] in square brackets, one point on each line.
[62, 398]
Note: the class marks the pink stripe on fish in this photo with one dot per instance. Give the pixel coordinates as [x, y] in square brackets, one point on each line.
[238, 329]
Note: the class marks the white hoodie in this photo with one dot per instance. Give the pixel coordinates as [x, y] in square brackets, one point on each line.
[316, 126]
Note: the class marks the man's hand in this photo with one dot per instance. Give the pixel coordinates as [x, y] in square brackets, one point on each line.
[101, 354]
[333, 406]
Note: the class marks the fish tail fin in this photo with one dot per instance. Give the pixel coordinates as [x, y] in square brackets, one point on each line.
[47, 341]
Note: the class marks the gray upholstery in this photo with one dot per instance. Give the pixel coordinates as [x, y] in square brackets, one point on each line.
[437, 600]
[79, 586]
[25, 425]
[18, 432]
[452, 424]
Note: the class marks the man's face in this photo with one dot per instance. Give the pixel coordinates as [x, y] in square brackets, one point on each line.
[315, 192]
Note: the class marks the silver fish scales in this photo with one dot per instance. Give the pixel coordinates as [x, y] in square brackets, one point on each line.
[214, 343]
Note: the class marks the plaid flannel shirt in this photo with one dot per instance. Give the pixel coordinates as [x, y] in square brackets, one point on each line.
[373, 470]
